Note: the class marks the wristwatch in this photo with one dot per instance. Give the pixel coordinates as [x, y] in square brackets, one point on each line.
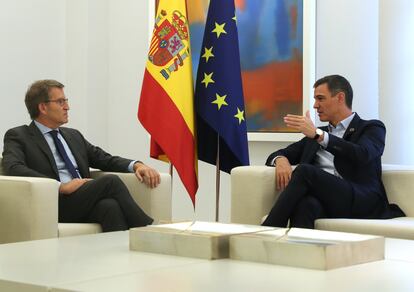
[318, 133]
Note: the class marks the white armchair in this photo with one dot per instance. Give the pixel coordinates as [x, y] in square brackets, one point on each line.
[29, 206]
[253, 193]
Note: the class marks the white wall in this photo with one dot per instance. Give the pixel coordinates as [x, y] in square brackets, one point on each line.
[98, 49]
[347, 44]
[56, 39]
[32, 35]
[86, 79]
[396, 77]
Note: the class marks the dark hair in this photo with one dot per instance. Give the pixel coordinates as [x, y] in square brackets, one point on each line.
[37, 93]
[336, 84]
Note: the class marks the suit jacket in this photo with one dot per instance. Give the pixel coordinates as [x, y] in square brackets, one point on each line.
[26, 153]
[357, 158]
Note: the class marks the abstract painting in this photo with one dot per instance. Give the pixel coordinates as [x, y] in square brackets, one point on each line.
[271, 53]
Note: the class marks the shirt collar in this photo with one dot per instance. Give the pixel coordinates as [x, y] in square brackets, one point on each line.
[43, 128]
[344, 123]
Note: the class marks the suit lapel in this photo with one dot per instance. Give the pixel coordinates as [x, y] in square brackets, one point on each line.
[352, 128]
[40, 141]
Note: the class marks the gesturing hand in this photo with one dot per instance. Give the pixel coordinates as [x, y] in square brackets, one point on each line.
[303, 124]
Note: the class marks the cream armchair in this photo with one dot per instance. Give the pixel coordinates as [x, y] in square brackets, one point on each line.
[29, 206]
[253, 193]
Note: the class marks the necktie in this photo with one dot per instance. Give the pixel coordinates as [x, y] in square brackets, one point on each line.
[63, 154]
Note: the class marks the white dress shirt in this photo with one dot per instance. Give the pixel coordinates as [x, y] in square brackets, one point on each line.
[64, 174]
[324, 159]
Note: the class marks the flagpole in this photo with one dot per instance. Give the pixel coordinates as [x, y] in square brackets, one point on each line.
[218, 179]
[171, 174]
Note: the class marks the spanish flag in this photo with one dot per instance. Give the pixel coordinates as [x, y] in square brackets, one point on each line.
[166, 107]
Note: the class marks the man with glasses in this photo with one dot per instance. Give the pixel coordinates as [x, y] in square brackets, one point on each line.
[45, 149]
[338, 173]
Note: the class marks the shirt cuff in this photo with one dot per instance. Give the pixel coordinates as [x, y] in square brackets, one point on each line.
[131, 165]
[274, 159]
[325, 141]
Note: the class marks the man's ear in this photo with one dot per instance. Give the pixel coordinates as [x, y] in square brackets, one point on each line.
[341, 96]
[42, 108]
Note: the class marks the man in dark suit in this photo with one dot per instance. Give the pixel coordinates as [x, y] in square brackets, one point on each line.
[45, 149]
[339, 166]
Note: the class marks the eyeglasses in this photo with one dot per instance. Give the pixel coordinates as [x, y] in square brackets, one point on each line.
[60, 101]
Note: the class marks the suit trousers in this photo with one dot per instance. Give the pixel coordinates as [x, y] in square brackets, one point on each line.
[312, 193]
[105, 200]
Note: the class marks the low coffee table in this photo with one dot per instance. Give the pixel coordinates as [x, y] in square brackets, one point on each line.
[103, 262]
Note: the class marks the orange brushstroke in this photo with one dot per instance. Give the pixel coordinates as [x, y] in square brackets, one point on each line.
[276, 81]
[240, 4]
[197, 10]
[268, 90]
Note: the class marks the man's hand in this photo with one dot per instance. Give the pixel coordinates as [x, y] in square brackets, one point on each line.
[146, 174]
[303, 124]
[283, 172]
[72, 186]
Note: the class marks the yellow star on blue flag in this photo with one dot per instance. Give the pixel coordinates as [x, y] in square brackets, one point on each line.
[208, 78]
[208, 53]
[219, 29]
[220, 101]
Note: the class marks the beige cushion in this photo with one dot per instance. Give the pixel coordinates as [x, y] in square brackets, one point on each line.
[399, 185]
[28, 208]
[402, 227]
[253, 193]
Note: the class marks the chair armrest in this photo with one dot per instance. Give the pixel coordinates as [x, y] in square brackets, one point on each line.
[156, 202]
[399, 185]
[28, 208]
[253, 193]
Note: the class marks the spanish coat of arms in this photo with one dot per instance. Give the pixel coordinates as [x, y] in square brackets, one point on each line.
[169, 42]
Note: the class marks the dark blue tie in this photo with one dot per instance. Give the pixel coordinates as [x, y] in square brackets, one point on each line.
[63, 154]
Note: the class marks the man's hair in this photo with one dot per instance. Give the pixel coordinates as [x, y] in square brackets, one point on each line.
[336, 84]
[37, 93]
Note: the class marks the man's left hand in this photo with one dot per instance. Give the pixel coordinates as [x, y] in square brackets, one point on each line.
[146, 174]
[303, 124]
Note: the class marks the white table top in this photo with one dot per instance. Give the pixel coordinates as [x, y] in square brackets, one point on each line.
[103, 262]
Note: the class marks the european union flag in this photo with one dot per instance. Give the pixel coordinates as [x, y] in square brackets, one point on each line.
[219, 94]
